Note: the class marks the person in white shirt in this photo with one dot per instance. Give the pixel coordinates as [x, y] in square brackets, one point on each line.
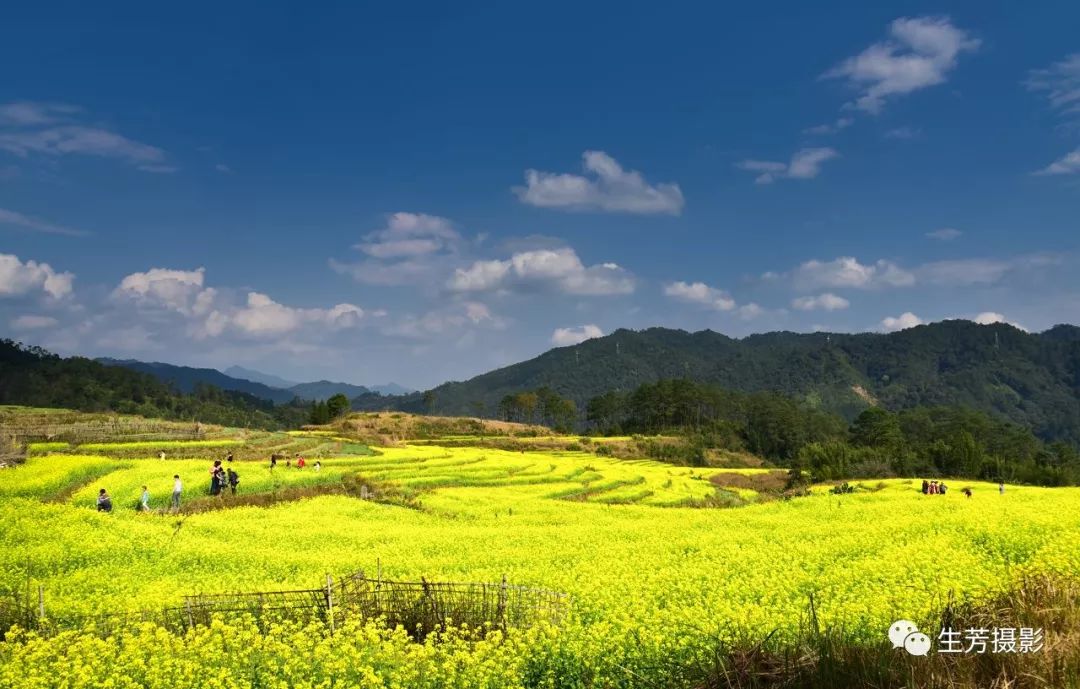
[144, 500]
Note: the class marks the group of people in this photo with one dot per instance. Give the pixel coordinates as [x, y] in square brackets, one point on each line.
[222, 476]
[300, 462]
[934, 487]
[939, 488]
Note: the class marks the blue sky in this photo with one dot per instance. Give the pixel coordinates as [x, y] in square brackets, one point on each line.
[424, 192]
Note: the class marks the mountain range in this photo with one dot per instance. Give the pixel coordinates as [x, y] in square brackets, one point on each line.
[262, 385]
[1028, 378]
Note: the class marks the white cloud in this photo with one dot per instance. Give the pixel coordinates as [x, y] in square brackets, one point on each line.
[805, 164]
[175, 290]
[35, 225]
[1061, 82]
[222, 167]
[1069, 164]
[991, 317]
[902, 322]
[18, 278]
[24, 113]
[563, 337]
[410, 234]
[905, 132]
[945, 234]
[33, 322]
[262, 316]
[847, 272]
[749, 312]
[80, 140]
[822, 302]
[449, 320]
[920, 52]
[558, 269]
[700, 293]
[982, 271]
[605, 187]
[839, 124]
[413, 249]
[49, 129]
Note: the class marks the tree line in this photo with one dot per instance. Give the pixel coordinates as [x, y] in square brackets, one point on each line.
[35, 377]
[921, 441]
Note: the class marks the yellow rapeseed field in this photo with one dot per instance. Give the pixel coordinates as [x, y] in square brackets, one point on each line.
[652, 583]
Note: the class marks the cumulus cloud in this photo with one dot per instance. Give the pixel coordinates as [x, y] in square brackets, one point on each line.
[606, 186]
[822, 302]
[18, 278]
[559, 269]
[209, 312]
[35, 225]
[847, 272]
[805, 164]
[701, 294]
[177, 290]
[51, 129]
[945, 234]
[413, 248]
[902, 322]
[563, 337]
[262, 316]
[920, 52]
[33, 322]
[410, 234]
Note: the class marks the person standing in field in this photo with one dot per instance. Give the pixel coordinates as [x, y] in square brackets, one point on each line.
[941, 488]
[1001, 488]
[318, 465]
[925, 487]
[144, 500]
[217, 474]
[104, 502]
[161, 455]
[273, 461]
[234, 480]
[177, 489]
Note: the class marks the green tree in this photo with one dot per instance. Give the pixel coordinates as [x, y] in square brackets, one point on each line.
[337, 405]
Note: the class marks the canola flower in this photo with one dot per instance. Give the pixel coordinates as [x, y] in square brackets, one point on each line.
[651, 582]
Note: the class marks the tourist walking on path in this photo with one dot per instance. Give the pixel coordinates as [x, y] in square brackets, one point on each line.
[177, 489]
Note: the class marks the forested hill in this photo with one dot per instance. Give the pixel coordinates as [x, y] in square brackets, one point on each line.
[34, 377]
[1029, 378]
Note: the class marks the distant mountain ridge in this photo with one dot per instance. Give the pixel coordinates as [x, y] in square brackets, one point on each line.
[185, 378]
[251, 382]
[1028, 378]
[259, 377]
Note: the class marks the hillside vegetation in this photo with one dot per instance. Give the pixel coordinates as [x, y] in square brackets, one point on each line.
[31, 376]
[1032, 379]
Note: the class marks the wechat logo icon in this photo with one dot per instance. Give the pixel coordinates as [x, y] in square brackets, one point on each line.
[904, 634]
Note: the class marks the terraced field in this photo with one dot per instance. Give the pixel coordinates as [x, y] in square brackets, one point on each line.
[655, 579]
